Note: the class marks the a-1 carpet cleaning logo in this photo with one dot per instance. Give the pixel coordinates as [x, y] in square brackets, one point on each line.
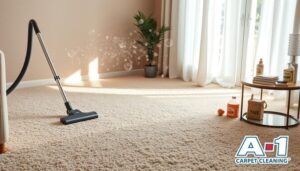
[252, 152]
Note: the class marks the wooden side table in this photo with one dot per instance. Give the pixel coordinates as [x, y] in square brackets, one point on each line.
[272, 118]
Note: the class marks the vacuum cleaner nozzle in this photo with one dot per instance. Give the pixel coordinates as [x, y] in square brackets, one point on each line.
[78, 116]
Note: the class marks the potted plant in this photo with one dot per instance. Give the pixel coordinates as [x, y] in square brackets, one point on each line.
[149, 36]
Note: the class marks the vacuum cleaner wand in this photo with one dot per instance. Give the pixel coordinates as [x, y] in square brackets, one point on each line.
[74, 115]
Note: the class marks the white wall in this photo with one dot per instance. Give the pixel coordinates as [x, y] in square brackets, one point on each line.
[75, 32]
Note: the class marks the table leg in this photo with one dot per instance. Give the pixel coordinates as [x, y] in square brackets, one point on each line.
[242, 100]
[261, 93]
[288, 110]
[298, 107]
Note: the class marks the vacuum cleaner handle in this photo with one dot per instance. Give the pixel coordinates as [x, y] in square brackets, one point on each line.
[35, 26]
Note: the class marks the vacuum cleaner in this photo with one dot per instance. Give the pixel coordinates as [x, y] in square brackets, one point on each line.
[74, 115]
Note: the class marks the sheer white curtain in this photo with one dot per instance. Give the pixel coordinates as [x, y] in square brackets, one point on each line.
[267, 38]
[221, 41]
[208, 42]
[271, 40]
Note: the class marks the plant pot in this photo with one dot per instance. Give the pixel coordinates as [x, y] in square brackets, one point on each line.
[150, 71]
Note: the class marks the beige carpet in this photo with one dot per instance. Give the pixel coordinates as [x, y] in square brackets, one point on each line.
[144, 124]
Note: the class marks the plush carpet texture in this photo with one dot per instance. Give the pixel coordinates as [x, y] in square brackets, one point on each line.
[144, 124]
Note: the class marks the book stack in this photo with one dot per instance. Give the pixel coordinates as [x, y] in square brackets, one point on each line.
[265, 80]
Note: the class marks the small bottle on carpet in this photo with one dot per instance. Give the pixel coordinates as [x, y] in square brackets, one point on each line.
[3, 149]
[233, 108]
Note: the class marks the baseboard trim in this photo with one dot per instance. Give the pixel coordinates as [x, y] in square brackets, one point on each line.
[43, 82]
[118, 74]
[33, 83]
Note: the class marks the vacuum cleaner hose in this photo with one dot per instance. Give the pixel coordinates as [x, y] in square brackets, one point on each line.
[31, 26]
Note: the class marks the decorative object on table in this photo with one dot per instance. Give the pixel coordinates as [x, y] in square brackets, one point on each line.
[265, 80]
[150, 37]
[289, 74]
[233, 108]
[221, 112]
[256, 108]
[280, 83]
[294, 50]
[260, 68]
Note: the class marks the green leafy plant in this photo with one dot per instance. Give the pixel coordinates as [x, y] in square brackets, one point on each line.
[150, 35]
